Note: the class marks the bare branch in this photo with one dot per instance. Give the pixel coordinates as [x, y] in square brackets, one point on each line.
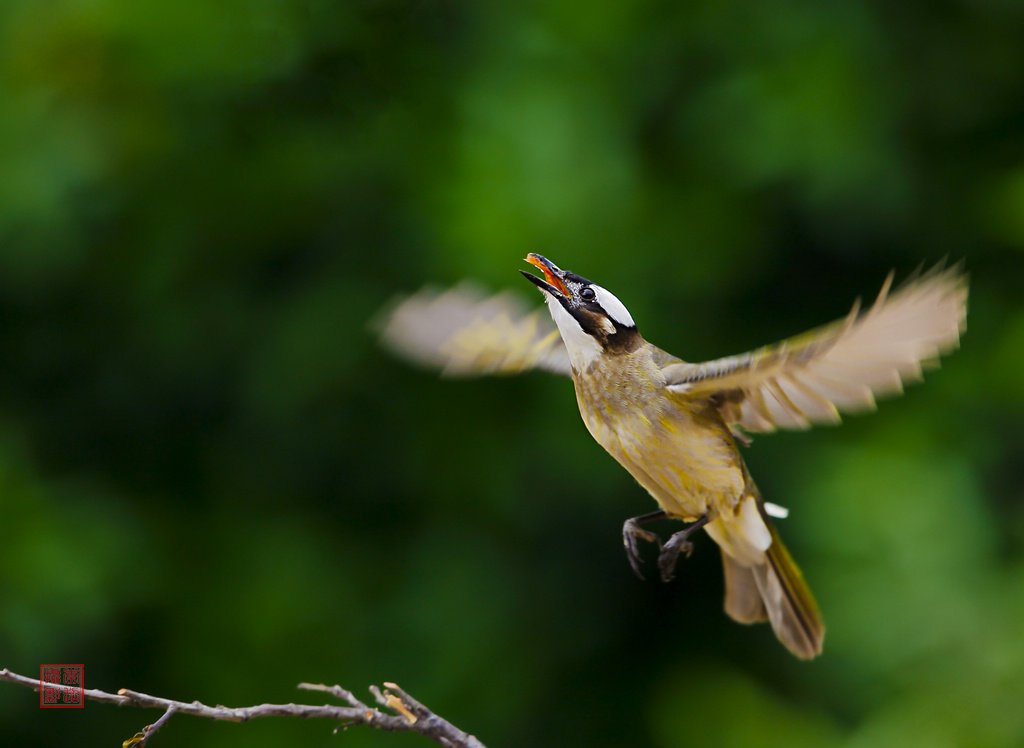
[410, 715]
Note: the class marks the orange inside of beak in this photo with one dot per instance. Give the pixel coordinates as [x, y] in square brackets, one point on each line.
[550, 277]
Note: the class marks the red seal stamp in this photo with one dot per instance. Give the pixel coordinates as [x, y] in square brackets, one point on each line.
[61, 686]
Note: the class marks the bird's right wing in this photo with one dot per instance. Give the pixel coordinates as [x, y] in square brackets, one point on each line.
[465, 332]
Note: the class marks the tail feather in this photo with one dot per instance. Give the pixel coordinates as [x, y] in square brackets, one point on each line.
[791, 607]
[773, 589]
[743, 600]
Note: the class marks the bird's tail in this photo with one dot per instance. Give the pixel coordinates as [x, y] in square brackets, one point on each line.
[773, 589]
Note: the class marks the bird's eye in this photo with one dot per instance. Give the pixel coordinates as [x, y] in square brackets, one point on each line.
[588, 294]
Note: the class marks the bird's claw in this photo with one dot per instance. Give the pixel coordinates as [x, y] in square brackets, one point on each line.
[631, 532]
[670, 552]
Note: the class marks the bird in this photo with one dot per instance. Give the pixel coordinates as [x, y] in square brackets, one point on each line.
[677, 427]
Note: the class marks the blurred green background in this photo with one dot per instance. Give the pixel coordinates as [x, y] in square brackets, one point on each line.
[214, 485]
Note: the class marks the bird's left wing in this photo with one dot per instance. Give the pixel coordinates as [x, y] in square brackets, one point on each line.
[839, 367]
[465, 332]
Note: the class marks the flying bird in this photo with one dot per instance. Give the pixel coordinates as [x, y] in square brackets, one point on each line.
[674, 425]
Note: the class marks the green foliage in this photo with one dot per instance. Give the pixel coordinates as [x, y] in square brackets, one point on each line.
[214, 486]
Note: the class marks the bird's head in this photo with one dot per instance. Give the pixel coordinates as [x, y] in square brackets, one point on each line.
[591, 320]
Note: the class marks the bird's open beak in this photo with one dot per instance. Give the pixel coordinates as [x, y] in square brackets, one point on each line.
[552, 281]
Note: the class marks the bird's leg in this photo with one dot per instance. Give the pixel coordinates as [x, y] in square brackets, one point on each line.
[678, 543]
[633, 529]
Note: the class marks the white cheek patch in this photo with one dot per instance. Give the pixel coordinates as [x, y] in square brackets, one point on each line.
[615, 308]
[581, 346]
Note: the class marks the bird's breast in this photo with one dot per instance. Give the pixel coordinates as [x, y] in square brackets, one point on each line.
[678, 449]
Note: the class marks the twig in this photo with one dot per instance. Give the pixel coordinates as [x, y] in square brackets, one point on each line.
[142, 738]
[411, 715]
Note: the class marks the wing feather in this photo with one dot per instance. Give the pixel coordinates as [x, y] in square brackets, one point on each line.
[465, 332]
[843, 366]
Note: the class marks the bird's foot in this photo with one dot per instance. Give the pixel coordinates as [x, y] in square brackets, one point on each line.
[670, 552]
[678, 544]
[632, 531]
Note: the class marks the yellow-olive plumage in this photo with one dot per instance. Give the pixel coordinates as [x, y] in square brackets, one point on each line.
[674, 425]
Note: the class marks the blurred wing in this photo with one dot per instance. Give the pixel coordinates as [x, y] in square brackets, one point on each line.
[839, 367]
[464, 332]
